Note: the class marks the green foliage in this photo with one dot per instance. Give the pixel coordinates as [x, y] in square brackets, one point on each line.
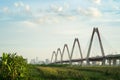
[106, 72]
[13, 67]
[54, 65]
[57, 73]
[51, 72]
[34, 73]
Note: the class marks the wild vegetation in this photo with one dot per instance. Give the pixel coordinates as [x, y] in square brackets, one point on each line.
[59, 73]
[79, 73]
[14, 67]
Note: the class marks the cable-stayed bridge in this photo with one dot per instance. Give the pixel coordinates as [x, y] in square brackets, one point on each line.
[111, 59]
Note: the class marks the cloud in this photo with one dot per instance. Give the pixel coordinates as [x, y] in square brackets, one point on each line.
[5, 9]
[116, 7]
[27, 8]
[59, 8]
[56, 8]
[94, 12]
[66, 6]
[68, 32]
[55, 20]
[18, 4]
[97, 1]
[46, 19]
[21, 5]
[29, 24]
[39, 20]
[72, 18]
[91, 11]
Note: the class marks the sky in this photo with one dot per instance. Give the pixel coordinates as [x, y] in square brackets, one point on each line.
[35, 28]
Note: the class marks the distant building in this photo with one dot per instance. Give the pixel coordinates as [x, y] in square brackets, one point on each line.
[41, 62]
[36, 61]
[32, 61]
[47, 61]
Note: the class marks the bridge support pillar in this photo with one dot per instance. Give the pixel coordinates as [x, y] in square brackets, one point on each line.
[103, 61]
[70, 62]
[87, 62]
[80, 63]
[114, 61]
[93, 62]
[109, 61]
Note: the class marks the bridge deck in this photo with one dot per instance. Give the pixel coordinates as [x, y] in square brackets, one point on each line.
[99, 58]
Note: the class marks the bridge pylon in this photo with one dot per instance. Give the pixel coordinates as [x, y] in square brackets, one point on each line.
[53, 55]
[76, 41]
[59, 50]
[66, 47]
[95, 30]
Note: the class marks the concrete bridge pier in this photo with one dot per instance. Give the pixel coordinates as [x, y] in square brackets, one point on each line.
[70, 61]
[80, 63]
[103, 62]
[114, 61]
[87, 62]
[94, 63]
[109, 61]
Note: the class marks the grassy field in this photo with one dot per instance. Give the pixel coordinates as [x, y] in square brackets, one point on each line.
[74, 73]
[14, 67]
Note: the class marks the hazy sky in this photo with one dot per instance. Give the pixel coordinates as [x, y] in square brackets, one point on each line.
[35, 28]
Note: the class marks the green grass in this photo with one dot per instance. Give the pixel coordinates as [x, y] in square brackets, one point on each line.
[67, 72]
[79, 73]
[34, 73]
[100, 72]
[55, 73]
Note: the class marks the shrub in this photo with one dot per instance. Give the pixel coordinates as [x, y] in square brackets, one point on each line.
[13, 67]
